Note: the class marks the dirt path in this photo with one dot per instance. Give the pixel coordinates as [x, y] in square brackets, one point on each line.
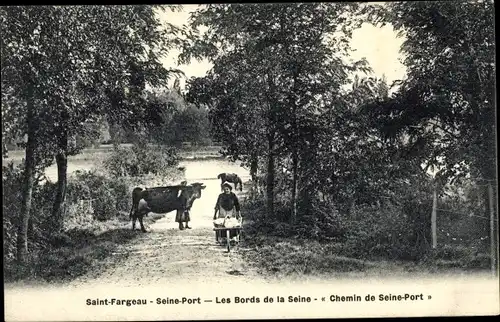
[166, 254]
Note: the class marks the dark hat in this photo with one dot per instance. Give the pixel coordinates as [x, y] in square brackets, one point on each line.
[227, 184]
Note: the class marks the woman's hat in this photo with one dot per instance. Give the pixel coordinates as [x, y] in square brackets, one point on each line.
[227, 184]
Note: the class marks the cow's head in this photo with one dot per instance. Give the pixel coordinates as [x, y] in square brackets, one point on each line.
[192, 192]
[197, 188]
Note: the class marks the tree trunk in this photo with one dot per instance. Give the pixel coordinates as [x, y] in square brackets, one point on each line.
[59, 203]
[29, 179]
[31, 229]
[272, 101]
[295, 162]
[296, 135]
[22, 231]
[270, 177]
[114, 134]
[434, 217]
[493, 248]
[253, 167]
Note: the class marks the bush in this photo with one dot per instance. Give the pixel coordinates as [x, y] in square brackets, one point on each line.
[52, 240]
[9, 239]
[321, 223]
[390, 232]
[105, 205]
[141, 160]
[41, 224]
[183, 124]
[394, 231]
[108, 195]
[191, 125]
[121, 188]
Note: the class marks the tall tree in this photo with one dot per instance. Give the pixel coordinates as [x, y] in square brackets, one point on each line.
[443, 114]
[277, 65]
[64, 66]
[243, 80]
[446, 105]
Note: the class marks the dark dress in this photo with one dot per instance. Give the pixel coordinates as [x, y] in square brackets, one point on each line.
[228, 202]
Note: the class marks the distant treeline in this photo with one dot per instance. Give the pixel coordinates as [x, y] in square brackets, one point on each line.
[172, 123]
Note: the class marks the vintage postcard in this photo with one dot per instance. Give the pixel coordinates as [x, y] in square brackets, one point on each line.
[249, 161]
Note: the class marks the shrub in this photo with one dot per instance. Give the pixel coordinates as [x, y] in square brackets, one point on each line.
[121, 163]
[448, 252]
[52, 240]
[391, 231]
[108, 195]
[105, 205]
[141, 160]
[9, 239]
[321, 223]
[121, 188]
[186, 124]
[41, 224]
[387, 232]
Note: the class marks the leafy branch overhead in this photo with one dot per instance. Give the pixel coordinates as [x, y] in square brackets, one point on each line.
[446, 105]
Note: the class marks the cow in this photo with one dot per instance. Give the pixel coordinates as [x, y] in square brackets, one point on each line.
[231, 177]
[163, 200]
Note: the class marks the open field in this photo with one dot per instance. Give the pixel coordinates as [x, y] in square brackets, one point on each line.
[103, 150]
[88, 158]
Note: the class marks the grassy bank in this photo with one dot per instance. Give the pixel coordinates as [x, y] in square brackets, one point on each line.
[292, 257]
[273, 252]
[76, 252]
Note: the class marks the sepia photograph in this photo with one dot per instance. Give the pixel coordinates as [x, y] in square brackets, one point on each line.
[226, 161]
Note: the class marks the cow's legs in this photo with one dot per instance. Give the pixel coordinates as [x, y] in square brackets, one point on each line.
[142, 224]
[133, 216]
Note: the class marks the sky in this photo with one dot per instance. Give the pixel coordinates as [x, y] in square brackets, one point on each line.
[379, 45]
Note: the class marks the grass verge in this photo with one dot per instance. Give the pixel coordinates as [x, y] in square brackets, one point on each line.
[77, 252]
[288, 256]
